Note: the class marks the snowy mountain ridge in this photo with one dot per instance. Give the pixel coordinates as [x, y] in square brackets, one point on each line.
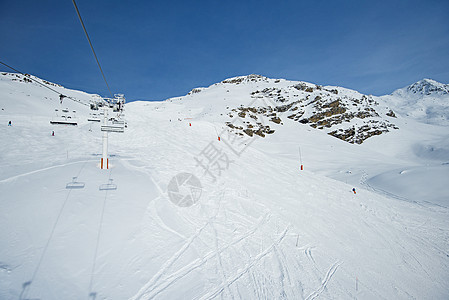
[425, 87]
[27, 78]
[17, 88]
[340, 112]
[426, 101]
[336, 110]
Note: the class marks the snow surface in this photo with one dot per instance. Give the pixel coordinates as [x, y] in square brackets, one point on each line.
[426, 101]
[262, 228]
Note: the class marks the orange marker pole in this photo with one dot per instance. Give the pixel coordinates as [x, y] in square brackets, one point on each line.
[217, 133]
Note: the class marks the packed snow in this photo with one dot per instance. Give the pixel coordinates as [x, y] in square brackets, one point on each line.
[251, 225]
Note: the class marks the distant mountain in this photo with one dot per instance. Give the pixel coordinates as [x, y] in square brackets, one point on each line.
[425, 87]
[426, 101]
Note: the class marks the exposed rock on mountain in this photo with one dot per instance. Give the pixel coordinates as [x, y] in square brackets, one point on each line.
[345, 114]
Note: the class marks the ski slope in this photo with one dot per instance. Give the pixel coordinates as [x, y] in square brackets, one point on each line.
[261, 227]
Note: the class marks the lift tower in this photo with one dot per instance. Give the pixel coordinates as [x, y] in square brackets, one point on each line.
[111, 124]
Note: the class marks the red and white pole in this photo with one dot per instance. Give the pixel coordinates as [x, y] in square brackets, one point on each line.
[104, 158]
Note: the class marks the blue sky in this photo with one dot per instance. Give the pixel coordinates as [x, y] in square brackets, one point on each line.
[153, 50]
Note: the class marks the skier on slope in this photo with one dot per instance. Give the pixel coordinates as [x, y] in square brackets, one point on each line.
[353, 189]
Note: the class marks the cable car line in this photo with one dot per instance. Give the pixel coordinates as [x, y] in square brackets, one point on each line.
[92, 47]
[30, 78]
[118, 127]
[61, 96]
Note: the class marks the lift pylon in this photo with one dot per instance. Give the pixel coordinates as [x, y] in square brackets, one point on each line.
[113, 124]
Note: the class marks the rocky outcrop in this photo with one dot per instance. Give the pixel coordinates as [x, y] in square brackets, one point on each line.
[342, 113]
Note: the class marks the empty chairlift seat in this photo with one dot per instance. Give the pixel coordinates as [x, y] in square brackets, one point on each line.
[94, 118]
[108, 186]
[64, 119]
[114, 126]
[75, 184]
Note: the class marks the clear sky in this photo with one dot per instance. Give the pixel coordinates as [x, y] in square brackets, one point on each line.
[153, 50]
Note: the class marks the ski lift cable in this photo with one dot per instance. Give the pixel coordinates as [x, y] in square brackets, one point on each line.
[30, 77]
[92, 47]
[45, 86]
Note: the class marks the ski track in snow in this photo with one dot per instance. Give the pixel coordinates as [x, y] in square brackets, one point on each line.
[364, 182]
[162, 224]
[283, 269]
[248, 266]
[221, 270]
[325, 281]
[168, 264]
[150, 291]
[308, 253]
[9, 179]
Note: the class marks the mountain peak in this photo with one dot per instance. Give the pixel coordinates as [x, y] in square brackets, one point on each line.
[428, 87]
[245, 78]
[425, 101]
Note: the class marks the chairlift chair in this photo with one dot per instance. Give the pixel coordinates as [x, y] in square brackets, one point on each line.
[75, 184]
[94, 118]
[108, 186]
[118, 122]
[63, 121]
[114, 126]
[121, 123]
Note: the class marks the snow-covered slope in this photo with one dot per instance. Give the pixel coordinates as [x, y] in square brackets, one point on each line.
[259, 228]
[340, 112]
[426, 101]
[23, 95]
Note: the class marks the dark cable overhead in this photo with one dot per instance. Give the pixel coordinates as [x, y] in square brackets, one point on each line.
[61, 96]
[90, 43]
[30, 78]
